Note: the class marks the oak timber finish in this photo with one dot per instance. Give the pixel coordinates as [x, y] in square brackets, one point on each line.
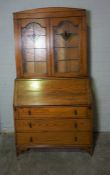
[52, 93]
[41, 33]
[54, 138]
[62, 124]
[53, 112]
[34, 121]
[50, 12]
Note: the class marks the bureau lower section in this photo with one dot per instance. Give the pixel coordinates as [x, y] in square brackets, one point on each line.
[53, 127]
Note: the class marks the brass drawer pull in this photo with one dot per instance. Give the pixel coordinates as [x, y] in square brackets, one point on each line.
[75, 112]
[30, 125]
[75, 139]
[75, 125]
[31, 139]
[29, 112]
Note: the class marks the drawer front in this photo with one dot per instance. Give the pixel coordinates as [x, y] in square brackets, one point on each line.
[53, 125]
[75, 112]
[54, 138]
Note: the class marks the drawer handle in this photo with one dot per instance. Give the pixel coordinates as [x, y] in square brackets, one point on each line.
[31, 139]
[30, 125]
[75, 125]
[29, 112]
[75, 112]
[75, 139]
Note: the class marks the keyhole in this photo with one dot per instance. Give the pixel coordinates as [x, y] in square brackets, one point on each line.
[75, 139]
[75, 125]
[75, 112]
[31, 140]
[30, 125]
[29, 112]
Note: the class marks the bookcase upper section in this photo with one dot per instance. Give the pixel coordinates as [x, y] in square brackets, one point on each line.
[51, 42]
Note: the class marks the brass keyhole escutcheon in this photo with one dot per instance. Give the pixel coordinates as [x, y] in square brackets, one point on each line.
[75, 125]
[31, 139]
[75, 139]
[30, 125]
[75, 112]
[29, 112]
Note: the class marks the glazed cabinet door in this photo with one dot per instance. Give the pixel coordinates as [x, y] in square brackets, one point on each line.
[69, 46]
[51, 47]
[32, 54]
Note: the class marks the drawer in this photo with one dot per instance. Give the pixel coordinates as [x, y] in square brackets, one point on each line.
[53, 125]
[54, 138]
[60, 111]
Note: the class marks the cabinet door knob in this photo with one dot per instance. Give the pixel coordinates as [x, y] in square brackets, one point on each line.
[75, 139]
[75, 112]
[31, 139]
[30, 125]
[29, 112]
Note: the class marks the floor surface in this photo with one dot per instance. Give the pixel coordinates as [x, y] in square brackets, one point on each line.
[55, 162]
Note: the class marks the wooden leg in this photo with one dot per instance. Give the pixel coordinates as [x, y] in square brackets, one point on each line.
[90, 151]
[20, 150]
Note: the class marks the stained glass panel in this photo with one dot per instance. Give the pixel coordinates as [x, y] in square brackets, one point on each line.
[66, 47]
[34, 48]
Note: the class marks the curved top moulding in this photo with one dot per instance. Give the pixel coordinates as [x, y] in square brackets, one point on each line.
[49, 12]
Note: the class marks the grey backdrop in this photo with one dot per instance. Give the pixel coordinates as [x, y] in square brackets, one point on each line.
[99, 24]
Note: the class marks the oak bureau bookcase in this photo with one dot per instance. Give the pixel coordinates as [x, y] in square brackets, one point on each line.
[52, 93]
